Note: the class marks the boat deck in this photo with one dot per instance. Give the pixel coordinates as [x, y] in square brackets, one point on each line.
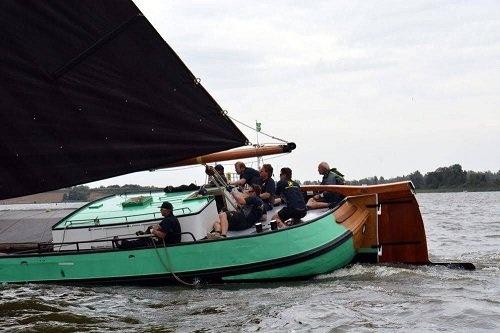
[311, 215]
[133, 207]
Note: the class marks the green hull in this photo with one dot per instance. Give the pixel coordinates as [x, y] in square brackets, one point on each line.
[304, 250]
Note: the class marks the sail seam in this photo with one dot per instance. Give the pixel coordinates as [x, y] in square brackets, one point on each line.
[94, 47]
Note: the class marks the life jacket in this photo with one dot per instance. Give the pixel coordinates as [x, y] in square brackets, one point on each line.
[339, 177]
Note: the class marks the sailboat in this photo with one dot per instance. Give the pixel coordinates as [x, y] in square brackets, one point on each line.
[90, 90]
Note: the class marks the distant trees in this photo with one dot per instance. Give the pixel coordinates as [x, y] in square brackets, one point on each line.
[77, 193]
[451, 178]
[417, 179]
[82, 192]
[311, 182]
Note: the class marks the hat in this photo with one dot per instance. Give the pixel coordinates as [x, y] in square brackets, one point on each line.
[219, 167]
[167, 205]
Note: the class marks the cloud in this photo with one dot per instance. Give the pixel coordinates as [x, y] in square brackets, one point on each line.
[377, 87]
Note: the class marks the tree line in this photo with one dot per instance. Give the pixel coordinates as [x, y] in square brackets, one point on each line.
[451, 178]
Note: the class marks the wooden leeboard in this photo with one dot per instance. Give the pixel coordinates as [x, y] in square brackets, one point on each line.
[401, 230]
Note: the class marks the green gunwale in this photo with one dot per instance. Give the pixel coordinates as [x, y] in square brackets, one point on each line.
[109, 210]
[228, 259]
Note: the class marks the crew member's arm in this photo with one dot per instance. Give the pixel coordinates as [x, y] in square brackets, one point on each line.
[239, 182]
[158, 232]
[265, 195]
[238, 196]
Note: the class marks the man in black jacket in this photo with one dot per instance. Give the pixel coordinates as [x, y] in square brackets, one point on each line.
[247, 175]
[290, 194]
[169, 228]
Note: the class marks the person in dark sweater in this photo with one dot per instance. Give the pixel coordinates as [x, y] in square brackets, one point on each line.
[247, 175]
[169, 228]
[292, 196]
[169, 231]
[268, 186]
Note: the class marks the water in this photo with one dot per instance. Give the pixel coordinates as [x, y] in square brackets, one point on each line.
[43, 206]
[363, 298]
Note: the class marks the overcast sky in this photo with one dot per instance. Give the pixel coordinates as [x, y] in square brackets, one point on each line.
[372, 87]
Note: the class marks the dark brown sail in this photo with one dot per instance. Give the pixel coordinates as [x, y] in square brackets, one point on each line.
[89, 90]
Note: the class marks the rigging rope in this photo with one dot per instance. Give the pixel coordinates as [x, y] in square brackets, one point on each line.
[168, 264]
[221, 185]
[177, 168]
[252, 128]
[277, 156]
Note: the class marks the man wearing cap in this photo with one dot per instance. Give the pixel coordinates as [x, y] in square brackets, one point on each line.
[169, 228]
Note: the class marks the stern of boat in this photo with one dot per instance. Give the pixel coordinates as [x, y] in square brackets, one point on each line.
[385, 220]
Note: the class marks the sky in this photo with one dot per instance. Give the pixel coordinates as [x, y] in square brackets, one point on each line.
[372, 87]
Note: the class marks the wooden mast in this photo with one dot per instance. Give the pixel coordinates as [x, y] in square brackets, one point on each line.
[234, 154]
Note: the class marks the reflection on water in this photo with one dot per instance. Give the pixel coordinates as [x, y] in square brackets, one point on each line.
[362, 298]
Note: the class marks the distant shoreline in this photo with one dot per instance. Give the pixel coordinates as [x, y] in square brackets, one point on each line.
[442, 180]
[455, 190]
[69, 204]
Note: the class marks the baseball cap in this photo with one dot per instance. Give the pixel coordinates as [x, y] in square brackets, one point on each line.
[167, 205]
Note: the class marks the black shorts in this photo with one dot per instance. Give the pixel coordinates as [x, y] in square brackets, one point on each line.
[291, 213]
[237, 221]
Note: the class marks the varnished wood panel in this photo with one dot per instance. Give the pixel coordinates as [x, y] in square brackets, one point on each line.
[345, 211]
[400, 230]
[361, 220]
[348, 190]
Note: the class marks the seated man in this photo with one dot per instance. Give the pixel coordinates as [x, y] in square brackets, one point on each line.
[290, 194]
[327, 199]
[169, 230]
[247, 175]
[268, 187]
[245, 217]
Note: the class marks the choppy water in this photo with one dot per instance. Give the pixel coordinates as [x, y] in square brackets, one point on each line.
[363, 298]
